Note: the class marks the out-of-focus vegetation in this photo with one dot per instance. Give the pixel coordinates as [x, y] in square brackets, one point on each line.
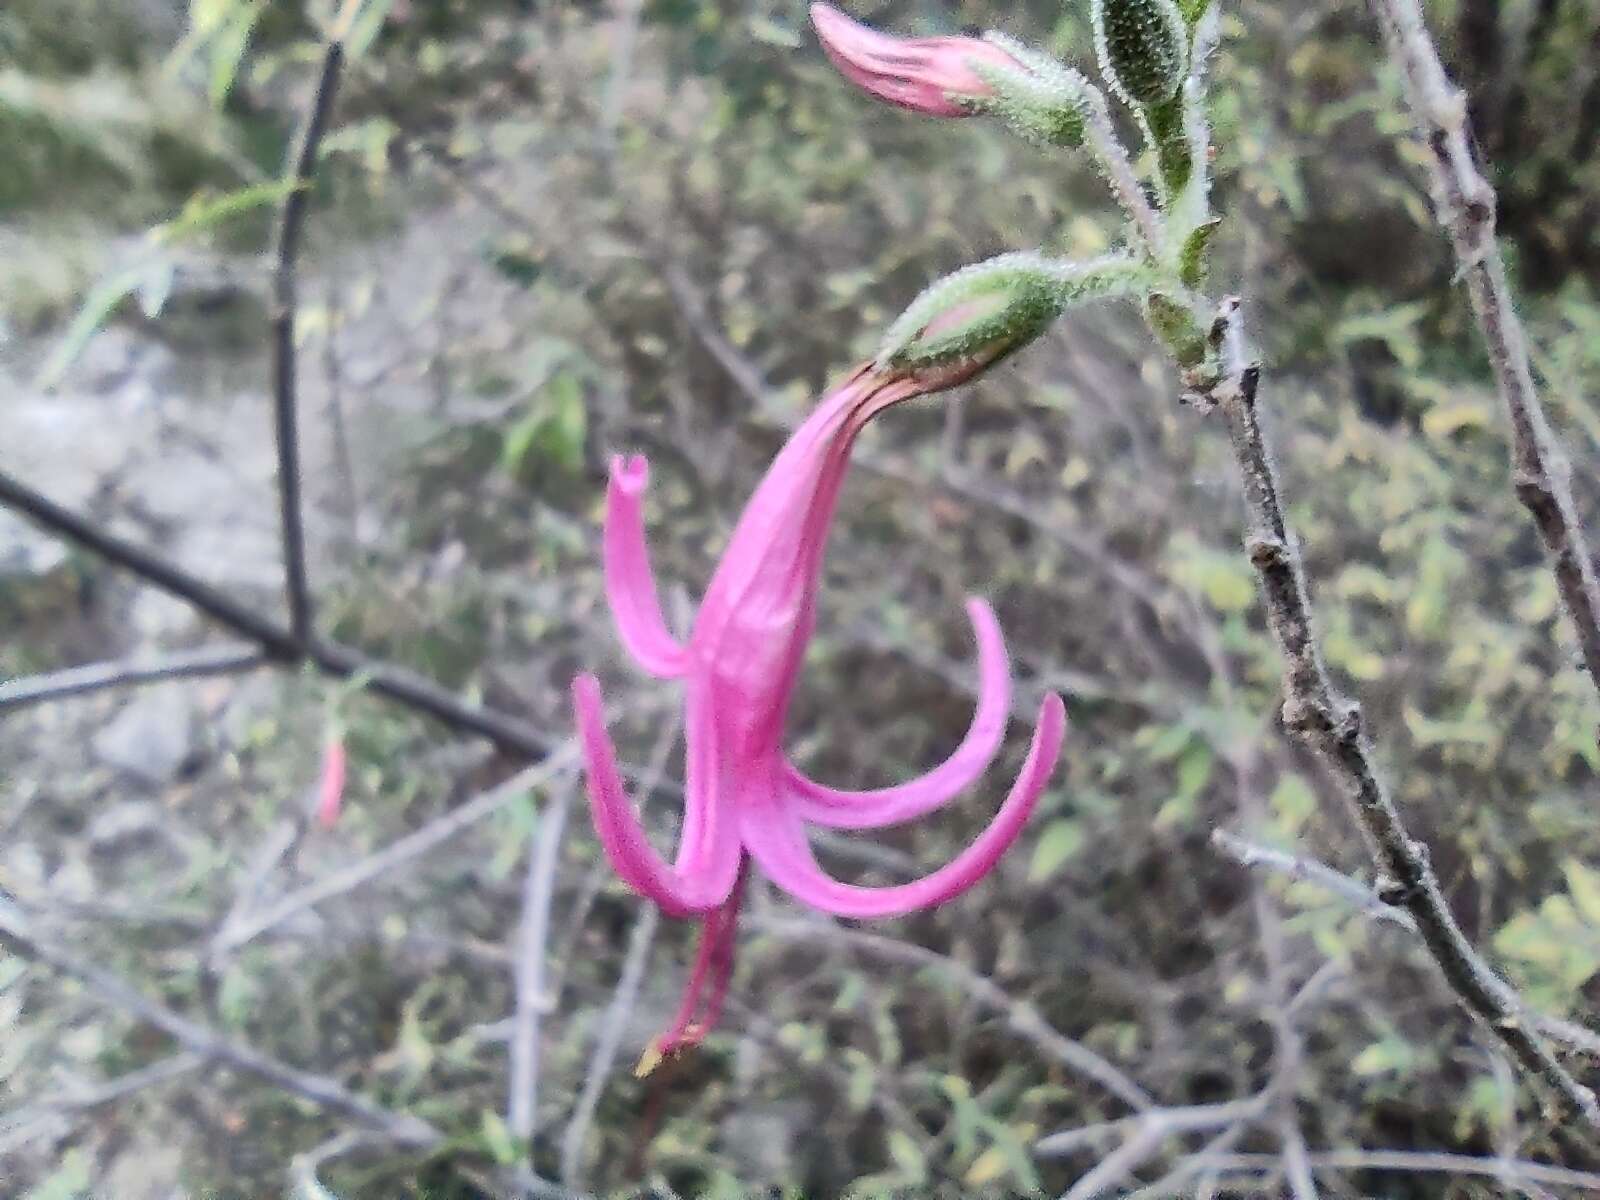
[588, 241]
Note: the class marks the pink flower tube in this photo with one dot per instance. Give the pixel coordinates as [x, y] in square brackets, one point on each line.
[744, 799]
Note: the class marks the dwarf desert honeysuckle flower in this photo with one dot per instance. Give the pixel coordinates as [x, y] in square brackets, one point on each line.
[740, 665]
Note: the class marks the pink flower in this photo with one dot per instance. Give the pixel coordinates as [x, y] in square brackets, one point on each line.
[934, 76]
[740, 666]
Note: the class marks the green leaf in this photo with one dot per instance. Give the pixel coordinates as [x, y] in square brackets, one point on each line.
[552, 431]
[369, 21]
[1584, 884]
[97, 308]
[1293, 802]
[987, 1167]
[1390, 1056]
[227, 51]
[863, 1080]
[1194, 770]
[497, 1139]
[67, 1181]
[907, 1156]
[1058, 843]
[202, 213]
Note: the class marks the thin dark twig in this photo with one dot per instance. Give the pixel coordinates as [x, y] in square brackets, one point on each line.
[291, 223]
[220, 607]
[1465, 206]
[1330, 725]
[395, 683]
[226, 659]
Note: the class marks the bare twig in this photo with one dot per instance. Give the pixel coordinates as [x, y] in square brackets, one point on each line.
[1352, 891]
[1023, 1018]
[1330, 725]
[607, 1042]
[612, 1023]
[1425, 1162]
[109, 989]
[338, 426]
[1465, 205]
[395, 854]
[623, 41]
[1175, 1182]
[1290, 1046]
[533, 932]
[1196, 1118]
[279, 844]
[291, 222]
[303, 1167]
[226, 659]
[1361, 897]
[24, 1124]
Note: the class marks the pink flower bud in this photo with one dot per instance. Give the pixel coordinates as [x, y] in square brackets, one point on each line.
[330, 789]
[934, 76]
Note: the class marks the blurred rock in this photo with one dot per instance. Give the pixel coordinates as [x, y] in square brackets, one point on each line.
[130, 820]
[761, 1138]
[153, 738]
[150, 1169]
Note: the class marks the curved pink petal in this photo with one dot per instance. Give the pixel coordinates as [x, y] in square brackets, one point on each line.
[708, 858]
[838, 809]
[775, 837]
[630, 584]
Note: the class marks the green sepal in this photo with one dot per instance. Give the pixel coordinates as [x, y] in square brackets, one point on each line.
[1174, 323]
[1192, 257]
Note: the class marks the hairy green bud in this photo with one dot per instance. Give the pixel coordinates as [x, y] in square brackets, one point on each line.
[990, 309]
[1039, 98]
[1142, 46]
